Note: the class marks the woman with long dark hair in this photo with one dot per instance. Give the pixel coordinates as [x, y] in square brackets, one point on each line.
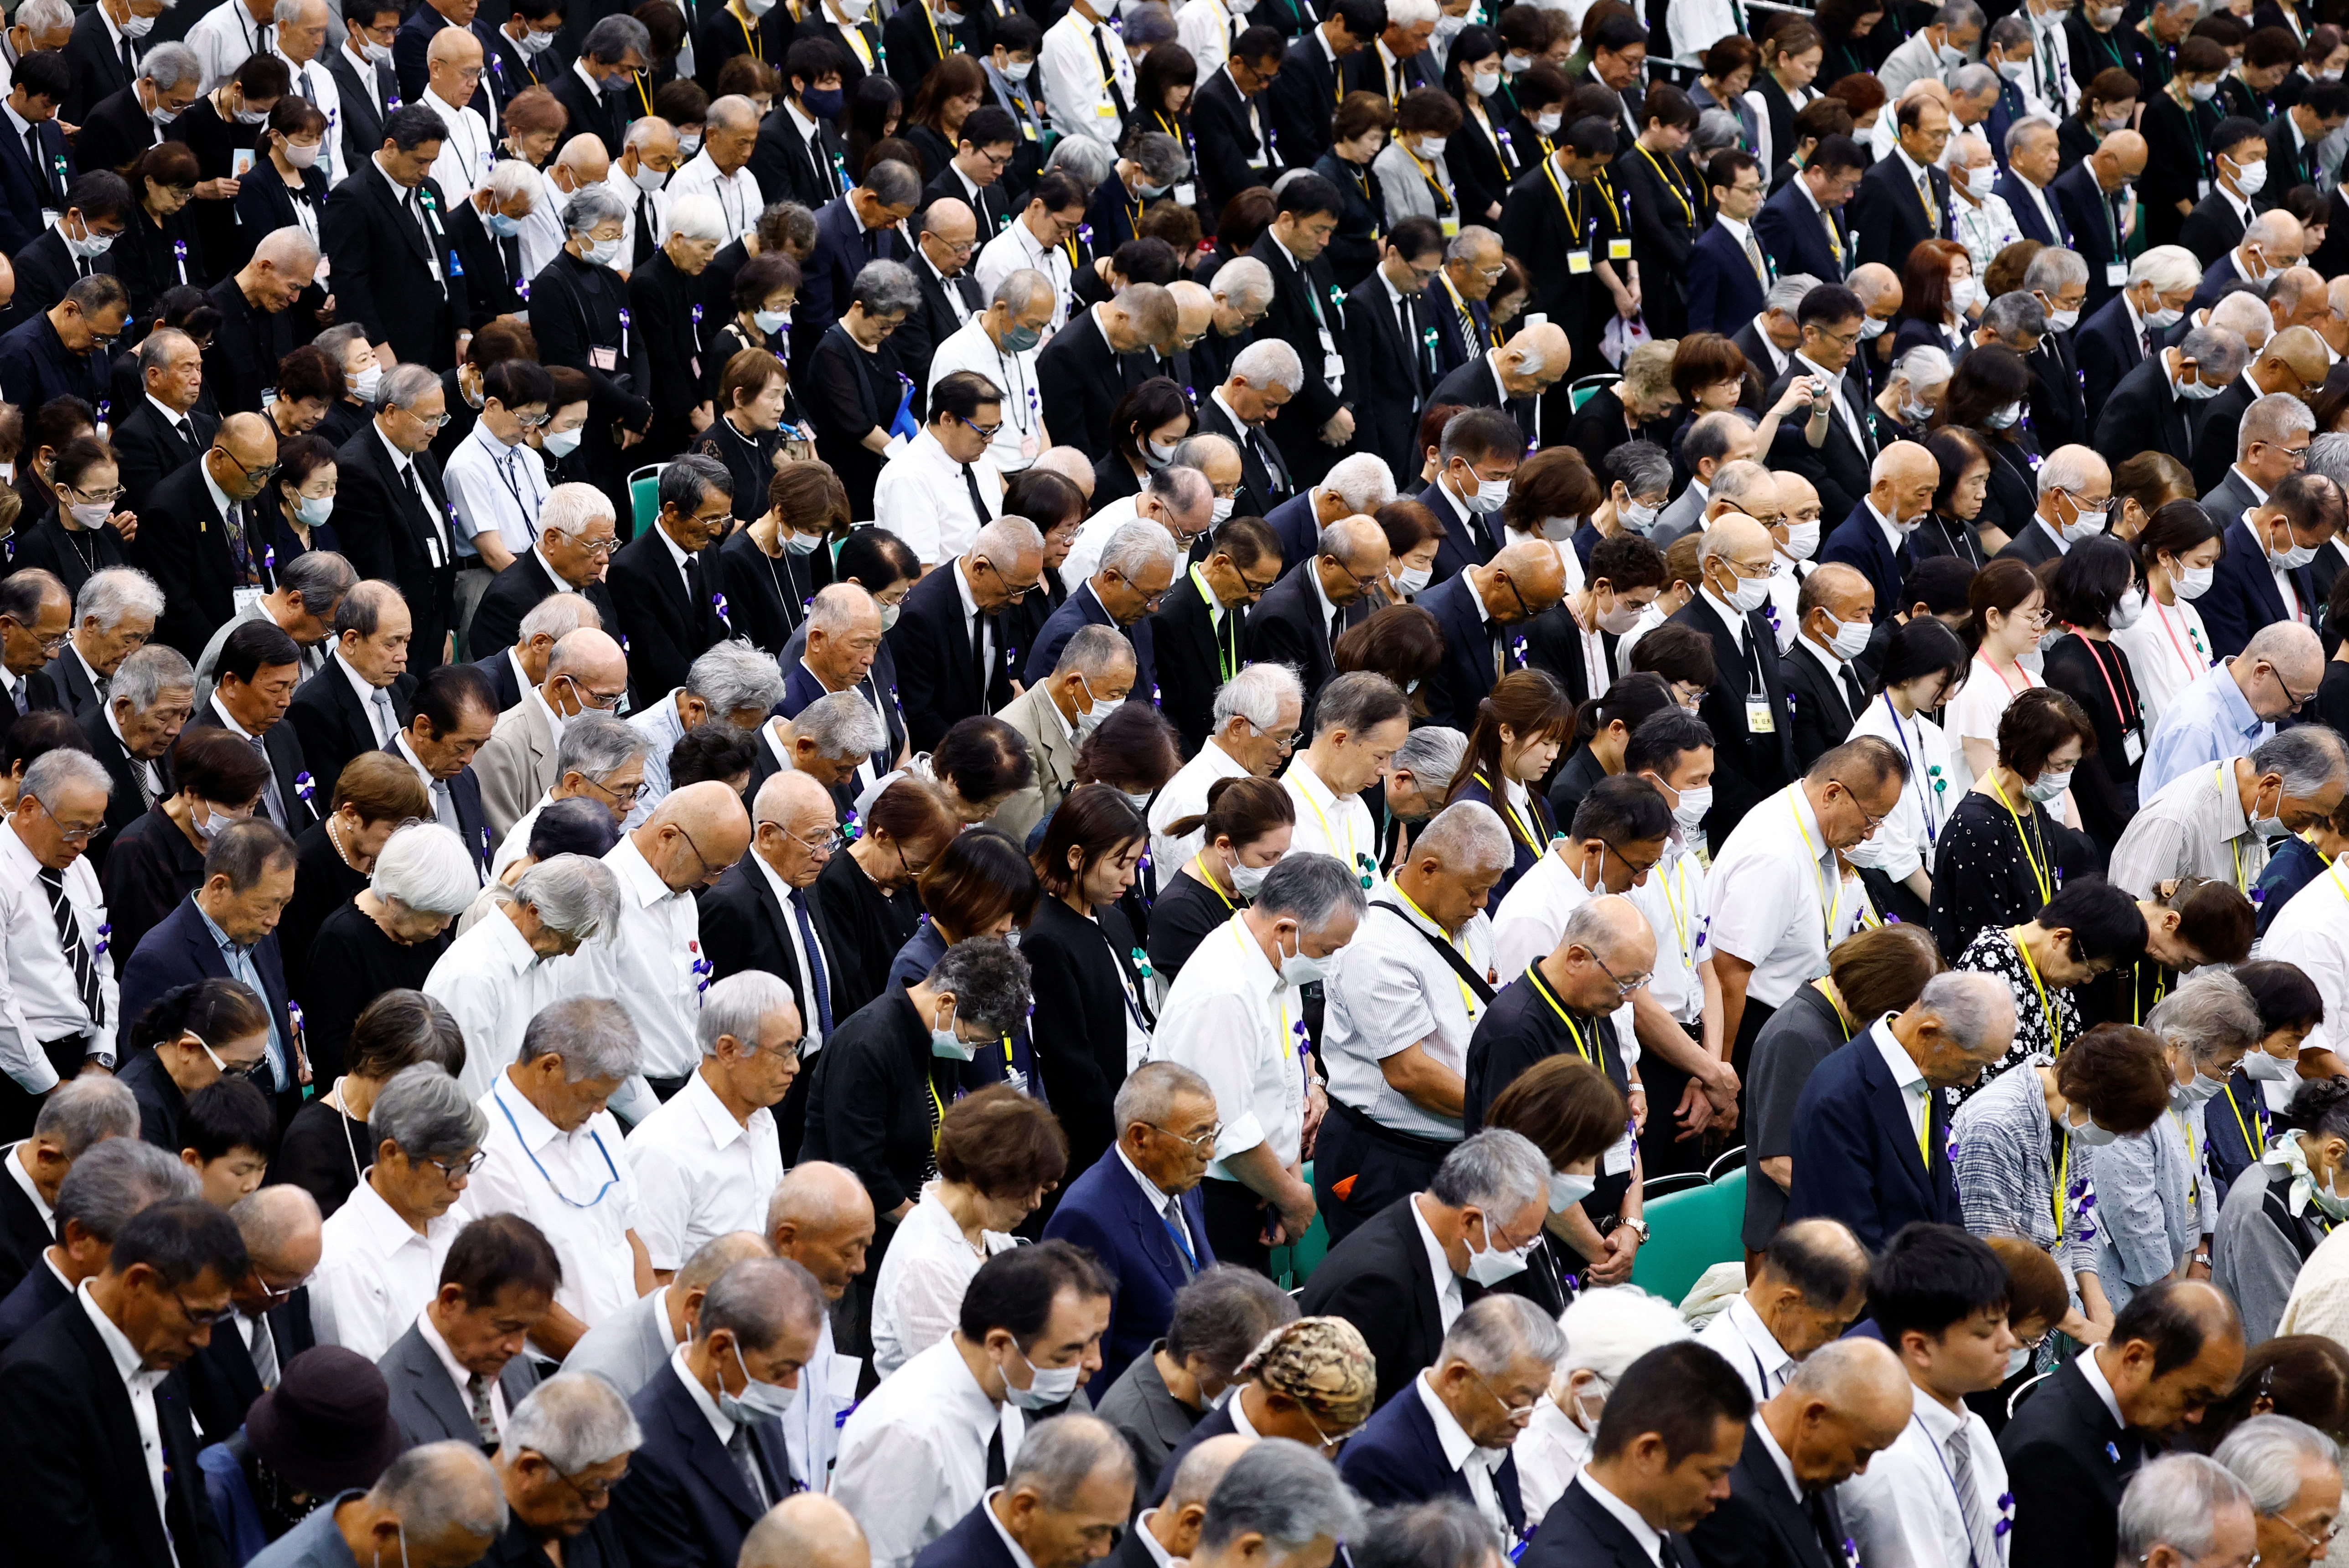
[1987, 394]
[1520, 725]
[1244, 831]
[1602, 729]
[1949, 529]
[1143, 432]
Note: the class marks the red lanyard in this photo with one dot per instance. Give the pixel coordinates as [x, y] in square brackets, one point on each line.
[2128, 719]
[2192, 669]
[2012, 689]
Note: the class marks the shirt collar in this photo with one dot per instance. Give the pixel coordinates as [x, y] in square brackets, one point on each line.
[636, 875]
[720, 1421]
[1150, 1189]
[2230, 698]
[2094, 1376]
[1778, 1456]
[705, 1104]
[431, 1334]
[962, 588]
[1906, 1074]
[1649, 1540]
[675, 551]
[408, 754]
[1446, 1281]
[24, 1178]
[529, 1123]
[228, 719]
[128, 1364]
[1459, 1448]
[211, 486]
[1769, 1354]
[399, 461]
[1728, 613]
[219, 938]
[1159, 1556]
[1019, 1557]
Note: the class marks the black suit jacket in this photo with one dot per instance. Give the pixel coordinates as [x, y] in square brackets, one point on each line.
[221, 1383]
[843, 247]
[473, 822]
[37, 1294]
[1264, 480]
[245, 350]
[362, 104]
[147, 448]
[605, 115]
[334, 727]
[2144, 414]
[745, 926]
[492, 267]
[26, 190]
[114, 133]
[1286, 628]
[23, 1235]
[1397, 1457]
[1081, 378]
[2108, 347]
[1219, 125]
[1302, 98]
[516, 591]
[1838, 469]
[1379, 1280]
[499, 671]
[1391, 376]
[666, 627]
[2067, 1463]
[919, 335]
[1302, 298]
[1453, 348]
[76, 695]
[1191, 652]
[1823, 707]
[1788, 230]
[1759, 1526]
[991, 206]
[388, 535]
[1579, 1533]
[2212, 229]
[295, 787]
[2084, 206]
[45, 269]
[2059, 407]
[123, 806]
[100, 71]
[683, 1499]
[1748, 766]
[2213, 424]
[383, 279]
[73, 1477]
[787, 170]
[1465, 676]
[937, 671]
[183, 541]
[1476, 385]
[180, 951]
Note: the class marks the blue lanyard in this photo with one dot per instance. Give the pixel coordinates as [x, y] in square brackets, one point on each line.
[1916, 774]
[498, 1094]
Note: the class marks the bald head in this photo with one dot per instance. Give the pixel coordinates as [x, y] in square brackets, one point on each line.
[807, 1530]
[1847, 1400]
[2299, 351]
[584, 156]
[714, 1257]
[1534, 360]
[1902, 479]
[1737, 537]
[1195, 310]
[2118, 159]
[694, 834]
[277, 1224]
[1619, 933]
[821, 1218]
[1533, 569]
[245, 448]
[583, 660]
[452, 49]
[1872, 283]
[787, 794]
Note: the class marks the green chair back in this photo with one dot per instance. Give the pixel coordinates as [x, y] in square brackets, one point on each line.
[1689, 1232]
[644, 499]
[1294, 1264]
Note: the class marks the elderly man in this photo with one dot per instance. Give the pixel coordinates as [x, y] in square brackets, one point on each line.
[555, 1155]
[1300, 619]
[2292, 1472]
[2294, 360]
[1875, 536]
[1776, 903]
[2121, 322]
[258, 326]
[2185, 1509]
[2200, 825]
[168, 429]
[1402, 1006]
[1164, 1535]
[452, 69]
[1829, 684]
[821, 1218]
[150, 698]
[999, 345]
[1847, 1166]
[271, 1322]
[1255, 719]
[916, 1455]
[1262, 379]
[1062, 1504]
[565, 1448]
[1229, 1023]
[806, 1530]
[458, 1371]
[1848, 1401]
[943, 487]
[438, 1503]
[839, 644]
[1715, 442]
[1089, 364]
[954, 658]
[1279, 1504]
[650, 147]
[1139, 563]
[114, 615]
[626, 1349]
[1195, 638]
[837, 740]
[576, 541]
[455, 712]
[585, 672]
[2149, 409]
[2231, 709]
[729, 133]
[1483, 612]
[1358, 722]
[310, 587]
[706, 1160]
[53, 354]
[1356, 485]
[1512, 378]
[1141, 1213]
[2075, 491]
[394, 505]
[1094, 675]
[1477, 457]
[66, 1006]
[360, 701]
[1808, 1287]
[667, 611]
[731, 684]
[259, 666]
[74, 1118]
[1180, 499]
[1745, 707]
[1486, 1201]
[107, 1186]
[496, 975]
[2278, 518]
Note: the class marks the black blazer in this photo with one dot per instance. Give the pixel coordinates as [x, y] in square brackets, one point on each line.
[45, 269]
[2213, 424]
[1080, 974]
[1396, 1457]
[1584, 1535]
[1838, 469]
[1468, 539]
[1391, 376]
[2094, 675]
[1759, 1526]
[362, 103]
[147, 448]
[1081, 378]
[842, 248]
[221, 1383]
[1476, 385]
[1858, 542]
[76, 695]
[722, 37]
[2067, 1463]
[745, 926]
[26, 190]
[73, 557]
[2212, 229]
[1191, 652]
[383, 269]
[23, 1235]
[387, 535]
[1823, 706]
[2059, 409]
[1855, 1158]
[1464, 678]
[1379, 1280]
[99, 70]
[787, 170]
[245, 349]
[517, 590]
[1763, 763]
[2144, 414]
[183, 541]
[2108, 348]
[2082, 205]
[991, 206]
[1303, 98]
[115, 132]
[936, 668]
[494, 274]
[919, 335]
[123, 806]
[1286, 628]
[1890, 219]
[2242, 595]
[667, 623]
[73, 1480]
[1787, 229]
[265, 203]
[294, 785]
[1297, 295]
[180, 952]
[605, 115]
[1264, 473]
[333, 727]
[1219, 124]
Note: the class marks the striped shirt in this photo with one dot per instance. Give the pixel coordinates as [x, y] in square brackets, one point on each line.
[2007, 1154]
[2194, 826]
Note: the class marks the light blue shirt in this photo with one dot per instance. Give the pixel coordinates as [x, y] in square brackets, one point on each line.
[315, 1543]
[2209, 723]
[240, 968]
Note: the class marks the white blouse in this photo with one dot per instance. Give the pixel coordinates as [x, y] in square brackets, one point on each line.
[1974, 714]
[917, 1300]
[2168, 651]
[1905, 840]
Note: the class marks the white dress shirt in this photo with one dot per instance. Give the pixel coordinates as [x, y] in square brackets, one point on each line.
[461, 1374]
[13, 1155]
[922, 498]
[806, 963]
[1092, 536]
[701, 1174]
[1907, 1076]
[542, 232]
[1904, 841]
[736, 193]
[1448, 1302]
[225, 37]
[40, 999]
[1185, 795]
[663, 727]
[496, 489]
[1550, 1452]
[376, 1272]
[1388, 991]
[385, 718]
[968, 347]
[1235, 1022]
[1775, 897]
[2313, 929]
[1672, 898]
[649, 964]
[1904, 1511]
[493, 985]
[913, 1455]
[1627, 1516]
[577, 1187]
[1745, 1342]
[1205, 28]
[1327, 825]
[917, 1296]
[469, 151]
[1473, 1464]
[139, 1383]
[1017, 248]
[1076, 93]
[620, 184]
[1531, 919]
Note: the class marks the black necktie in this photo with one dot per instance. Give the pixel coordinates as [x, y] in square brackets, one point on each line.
[186, 432]
[130, 60]
[1408, 319]
[693, 599]
[977, 506]
[1852, 691]
[1109, 77]
[645, 247]
[40, 165]
[995, 1461]
[979, 651]
[69, 943]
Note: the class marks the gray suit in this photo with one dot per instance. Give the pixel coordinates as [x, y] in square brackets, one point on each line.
[516, 764]
[426, 1405]
[1151, 1420]
[1054, 748]
[75, 693]
[1686, 512]
[313, 655]
[2228, 503]
[628, 1346]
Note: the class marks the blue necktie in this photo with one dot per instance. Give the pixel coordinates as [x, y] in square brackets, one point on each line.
[815, 965]
[1182, 1240]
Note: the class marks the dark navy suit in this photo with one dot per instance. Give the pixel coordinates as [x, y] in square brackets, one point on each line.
[1468, 539]
[1464, 678]
[1855, 1159]
[1579, 1533]
[178, 952]
[1788, 228]
[683, 1499]
[1723, 291]
[2108, 347]
[2027, 211]
[1105, 1211]
[1859, 543]
[1300, 530]
[37, 1294]
[1397, 1457]
[2068, 1462]
[800, 688]
[973, 1543]
[1085, 609]
[1763, 763]
[2243, 595]
[2082, 204]
[24, 190]
[1761, 1525]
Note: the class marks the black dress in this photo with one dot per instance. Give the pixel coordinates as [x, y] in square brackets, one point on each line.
[1113, 480]
[665, 307]
[1988, 870]
[725, 343]
[322, 885]
[2013, 499]
[322, 1152]
[875, 1097]
[749, 460]
[154, 255]
[353, 961]
[215, 142]
[1353, 248]
[867, 927]
[1187, 912]
[766, 595]
[851, 389]
[74, 554]
[149, 870]
[2097, 676]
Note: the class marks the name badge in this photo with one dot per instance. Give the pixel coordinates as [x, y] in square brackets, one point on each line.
[1186, 194]
[246, 598]
[1105, 111]
[604, 358]
[1619, 250]
[2116, 274]
[1761, 718]
[2201, 189]
[1449, 227]
[2132, 745]
[1577, 262]
[1617, 1160]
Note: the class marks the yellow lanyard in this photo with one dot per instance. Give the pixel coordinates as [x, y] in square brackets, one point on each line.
[2063, 1180]
[939, 1104]
[2250, 1143]
[1443, 197]
[1532, 972]
[1671, 184]
[1673, 906]
[1925, 1133]
[1565, 204]
[1607, 194]
[2137, 994]
[643, 96]
[1353, 856]
[2186, 1132]
[1517, 819]
[2054, 1035]
[751, 40]
[1828, 911]
[2038, 872]
[1200, 861]
[936, 42]
[2235, 844]
[1467, 998]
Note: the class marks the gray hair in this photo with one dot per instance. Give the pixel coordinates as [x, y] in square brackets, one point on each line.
[156, 352]
[1197, 452]
[321, 577]
[886, 288]
[2015, 315]
[165, 65]
[1060, 1456]
[593, 1035]
[697, 217]
[2216, 351]
[446, 1488]
[893, 184]
[2054, 269]
[1736, 482]
[575, 1421]
[592, 204]
[989, 979]
[1646, 468]
[1284, 1491]
[2308, 756]
[1786, 295]
[1968, 1005]
[1432, 752]
[149, 672]
[510, 177]
[557, 616]
[738, 1006]
[1271, 361]
[117, 1178]
[843, 724]
[83, 1112]
[2210, 1014]
[1256, 694]
[574, 895]
[1002, 542]
[2271, 419]
[1467, 835]
[1139, 545]
[1313, 890]
[1493, 1332]
[2328, 455]
[1972, 80]
[734, 677]
[1150, 1091]
[1159, 157]
[2174, 1501]
[1094, 651]
[2168, 268]
[1607, 1330]
[2265, 1454]
[1349, 701]
[2070, 469]
[1023, 288]
[40, 17]
[1362, 480]
[405, 384]
[608, 41]
[1474, 237]
[2022, 131]
[427, 868]
[55, 771]
[596, 746]
[761, 1299]
[1717, 128]
[1496, 1171]
[570, 508]
[272, 1218]
[1244, 281]
[1089, 160]
[423, 1112]
[1923, 366]
[837, 607]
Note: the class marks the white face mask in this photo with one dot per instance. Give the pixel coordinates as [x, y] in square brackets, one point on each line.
[1434, 146]
[1017, 71]
[1621, 618]
[1548, 124]
[2261, 1068]
[2185, 1097]
[2050, 783]
[1966, 294]
[1802, 540]
[2253, 177]
[1566, 1191]
[1048, 1386]
[1248, 880]
[1299, 967]
[2015, 70]
[1414, 579]
[2005, 418]
[1090, 719]
[2126, 611]
[313, 509]
[1490, 496]
[2193, 581]
[1483, 84]
[758, 1402]
[1488, 1266]
[1220, 510]
[648, 178]
[2062, 320]
[1747, 595]
[563, 443]
[89, 513]
[2088, 1133]
[1849, 639]
[367, 382]
[1693, 804]
[1980, 180]
[1158, 454]
[139, 26]
[1639, 519]
[2202, 92]
[302, 157]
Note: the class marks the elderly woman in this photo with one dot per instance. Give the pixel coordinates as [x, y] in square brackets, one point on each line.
[576, 825]
[326, 1150]
[387, 938]
[763, 293]
[2088, 927]
[978, 884]
[1415, 180]
[1964, 462]
[1357, 130]
[1639, 480]
[852, 379]
[158, 860]
[2283, 1206]
[159, 248]
[977, 764]
[375, 792]
[1639, 407]
[665, 304]
[868, 897]
[1913, 395]
[1606, 1331]
[579, 310]
[2155, 1209]
[81, 534]
[999, 1152]
[494, 978]
[380, 1260]
[757, 419]
[187, 1041]
[2022, 1161]
[1987, 395]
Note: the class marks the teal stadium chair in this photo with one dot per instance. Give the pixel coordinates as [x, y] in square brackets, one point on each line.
[1293, 1264]
[1691, 1231]
[644, 498]
[1579, 392]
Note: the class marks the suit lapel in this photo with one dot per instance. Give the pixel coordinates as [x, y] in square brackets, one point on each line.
[119, 1424]
[380, 186]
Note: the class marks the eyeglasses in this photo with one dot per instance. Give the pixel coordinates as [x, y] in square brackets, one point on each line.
[433, 424]
[229, 1070]
[108, 496]
[2290, 696]
[71, 835]
[986, 432]
[605, 701]
[275, 1295]
[1287, 742]
[624, 796]
[1871, 817]
[828, 843]
[203, 1319]
[1634, 867]
[1519, 1415]
[2316, 1544]
[594, 1494]
[269, 472]
[1623, 987]
[1202, 1145]
[596, 547]
[450, 1173]
[1328, 1443]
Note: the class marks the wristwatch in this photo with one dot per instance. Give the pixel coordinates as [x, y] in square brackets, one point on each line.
[1637, 1228]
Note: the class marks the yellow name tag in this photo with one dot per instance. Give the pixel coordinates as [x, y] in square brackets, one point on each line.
[1761, 718]
[1619, 250]
[1577, 262]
